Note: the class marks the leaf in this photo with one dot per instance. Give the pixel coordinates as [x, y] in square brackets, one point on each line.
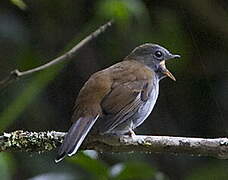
[114, 9]
[6, 166]
[132, 171]
[19, 3]
[93, 166]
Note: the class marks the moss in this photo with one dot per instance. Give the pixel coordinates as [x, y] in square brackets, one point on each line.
[31, 141]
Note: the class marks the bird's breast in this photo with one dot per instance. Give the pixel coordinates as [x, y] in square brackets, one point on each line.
[146, 108]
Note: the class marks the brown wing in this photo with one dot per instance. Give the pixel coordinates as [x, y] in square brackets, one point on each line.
[120, 105]
[126, 96]
[129, 80]
[110, 90]
[90, 96]
[122, 95]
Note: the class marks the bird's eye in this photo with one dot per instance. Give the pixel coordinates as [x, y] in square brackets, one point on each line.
[158, 54]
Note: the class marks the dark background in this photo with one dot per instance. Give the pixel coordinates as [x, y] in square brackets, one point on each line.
[35, 32]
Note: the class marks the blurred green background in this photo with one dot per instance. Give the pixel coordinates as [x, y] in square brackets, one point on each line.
[34, 32]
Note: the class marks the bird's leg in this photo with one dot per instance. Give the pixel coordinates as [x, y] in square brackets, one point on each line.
[131, 133]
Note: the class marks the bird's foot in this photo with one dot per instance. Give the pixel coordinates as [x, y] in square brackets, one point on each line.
[131, 133]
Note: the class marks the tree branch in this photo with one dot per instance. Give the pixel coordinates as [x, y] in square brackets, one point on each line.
[16, 74]
[46, 141]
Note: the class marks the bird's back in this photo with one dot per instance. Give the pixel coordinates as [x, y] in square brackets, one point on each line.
[116, 94]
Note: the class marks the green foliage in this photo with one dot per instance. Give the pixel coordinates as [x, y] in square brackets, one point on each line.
[129, 170]
[6, 166]
[133, 171]
[24, 98]
[217, 171]
[32, 90]
[19, 3]
[96, 168]
[122, 11]
[113, 9]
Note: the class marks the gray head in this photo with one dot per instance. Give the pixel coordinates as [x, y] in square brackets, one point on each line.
[153, 56]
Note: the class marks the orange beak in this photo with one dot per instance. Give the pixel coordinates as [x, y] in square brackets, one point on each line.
[166, 71]
[169, 74]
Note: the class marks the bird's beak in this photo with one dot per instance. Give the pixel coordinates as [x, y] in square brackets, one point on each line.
[165, 71]
[172, 56]
[169, 74]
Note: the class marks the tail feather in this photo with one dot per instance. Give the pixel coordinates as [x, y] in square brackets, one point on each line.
[75, 137]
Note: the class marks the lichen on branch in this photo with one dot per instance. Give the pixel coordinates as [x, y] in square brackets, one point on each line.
[25, 141]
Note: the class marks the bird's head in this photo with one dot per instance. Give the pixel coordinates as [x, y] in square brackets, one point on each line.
[155, 57]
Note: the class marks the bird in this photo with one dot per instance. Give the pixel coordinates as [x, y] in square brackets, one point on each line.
[116, 100]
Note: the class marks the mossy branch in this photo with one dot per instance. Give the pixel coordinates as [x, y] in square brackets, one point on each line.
[25, 141]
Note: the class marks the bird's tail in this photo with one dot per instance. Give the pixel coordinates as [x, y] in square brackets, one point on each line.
[75, 137]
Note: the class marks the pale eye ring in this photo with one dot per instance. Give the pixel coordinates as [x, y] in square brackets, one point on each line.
[158, 54]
